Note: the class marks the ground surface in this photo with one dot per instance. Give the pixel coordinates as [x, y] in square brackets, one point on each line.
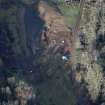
[34, 36]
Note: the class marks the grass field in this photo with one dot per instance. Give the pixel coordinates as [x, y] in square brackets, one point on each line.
[69, 12]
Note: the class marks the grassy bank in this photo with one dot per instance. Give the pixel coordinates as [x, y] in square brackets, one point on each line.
[70, 12]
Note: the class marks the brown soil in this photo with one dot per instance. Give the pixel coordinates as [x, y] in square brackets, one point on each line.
[56, 32]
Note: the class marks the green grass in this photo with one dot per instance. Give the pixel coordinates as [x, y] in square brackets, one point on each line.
[70, 13]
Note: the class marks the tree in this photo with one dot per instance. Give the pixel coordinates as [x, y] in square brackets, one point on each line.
[94, 74]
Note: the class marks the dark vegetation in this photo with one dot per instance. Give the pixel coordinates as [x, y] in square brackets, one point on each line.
[51, 79]
[47, 76]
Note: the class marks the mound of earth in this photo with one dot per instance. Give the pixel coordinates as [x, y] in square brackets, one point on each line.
[55, 33]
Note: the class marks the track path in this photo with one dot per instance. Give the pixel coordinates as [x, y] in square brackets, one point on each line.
[76, 29]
